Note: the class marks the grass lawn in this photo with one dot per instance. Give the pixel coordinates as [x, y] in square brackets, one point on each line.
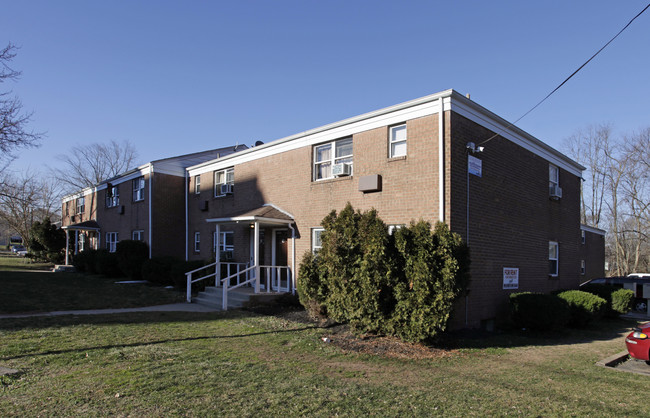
[241, 363]
[27, 287]
[244, 364]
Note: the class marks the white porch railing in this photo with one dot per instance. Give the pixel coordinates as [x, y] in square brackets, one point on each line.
[272, 279]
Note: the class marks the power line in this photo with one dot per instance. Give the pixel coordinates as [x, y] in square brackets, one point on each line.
[569, 77]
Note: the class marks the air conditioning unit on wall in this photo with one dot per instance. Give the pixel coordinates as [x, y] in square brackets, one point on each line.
[341, 169]
[555, 192]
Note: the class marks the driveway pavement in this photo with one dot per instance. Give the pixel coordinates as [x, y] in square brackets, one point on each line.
[174, 307]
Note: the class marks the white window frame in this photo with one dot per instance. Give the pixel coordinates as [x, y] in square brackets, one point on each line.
[138, 189]
[82, 242]
[112, 196]
[81, 205]
[197, 184]
[553, 175]
[553, 257]
[325, 163]
[111, 241]
[137, 235]
[583, 267]
[223, 242]
[394, 142]
[197, 242]
[393, 228]
[221, 177]
[316, 240]
[583, 236]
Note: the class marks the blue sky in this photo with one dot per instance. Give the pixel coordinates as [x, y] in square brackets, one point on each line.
[175, 77]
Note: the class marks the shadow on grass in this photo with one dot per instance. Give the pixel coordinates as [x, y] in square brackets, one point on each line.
[605, 329]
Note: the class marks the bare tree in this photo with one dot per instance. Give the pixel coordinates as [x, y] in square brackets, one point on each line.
[86, 165]
[13, 121]
[616, 193]
[28, 198]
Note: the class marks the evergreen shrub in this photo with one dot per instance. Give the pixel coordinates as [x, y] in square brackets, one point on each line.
[538, 311]
[619, 300]
[583, 307]
[622, 301]
[106, 263]
[131, 255]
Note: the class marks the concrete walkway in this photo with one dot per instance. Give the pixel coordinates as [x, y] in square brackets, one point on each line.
[174, 307]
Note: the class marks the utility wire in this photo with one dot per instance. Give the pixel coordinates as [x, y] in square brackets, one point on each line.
[569, 77]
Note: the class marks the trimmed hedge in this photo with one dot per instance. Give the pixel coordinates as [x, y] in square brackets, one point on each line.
[538, 311]
[131, 255]
[584, 307]
[170, 271]
[106, 263]
[619, 300]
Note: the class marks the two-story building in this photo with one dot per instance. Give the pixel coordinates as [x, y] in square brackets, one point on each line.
[146, 203]
[443, 157]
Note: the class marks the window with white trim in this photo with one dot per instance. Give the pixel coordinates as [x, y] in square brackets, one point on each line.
[226, 244]
[111, 241]
[553, 176]
[197, 242]
[397, 141]
[81, 205]
[137, 235]
[316, 239]
[197, 184]
[393, 228]
[112, 196]
[553, 258]
[82, 242]
[583, 236]
[335, 152]
[138, 189]
[583, 267]
[224, 182]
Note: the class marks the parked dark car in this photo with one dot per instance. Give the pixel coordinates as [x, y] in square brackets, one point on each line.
[638, 343]
[16, 248]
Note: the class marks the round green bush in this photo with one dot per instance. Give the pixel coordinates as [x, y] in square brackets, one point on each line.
[131, 255]
[106, 263]
[584, 307]
[538, 311]
[158, 270]
[622, 300]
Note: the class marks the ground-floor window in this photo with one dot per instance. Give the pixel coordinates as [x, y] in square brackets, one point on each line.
[553, 258]
[316, 242]
[226, 244]
[137, 235]
[111, 241]
[82, 242]
[197, 242]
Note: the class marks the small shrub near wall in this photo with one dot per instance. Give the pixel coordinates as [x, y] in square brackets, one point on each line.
[619, 301]
[584, 307]
[106, 263]
[131, 255]
[538, 311]
[158, 270]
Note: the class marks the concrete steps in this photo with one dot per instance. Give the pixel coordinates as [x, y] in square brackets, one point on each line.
[212, 296]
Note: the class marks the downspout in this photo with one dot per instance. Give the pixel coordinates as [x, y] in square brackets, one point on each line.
[150, 208]
[441, 161]
[293, 259]
[187, 186]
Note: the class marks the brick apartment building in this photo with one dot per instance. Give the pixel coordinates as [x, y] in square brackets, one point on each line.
[592, 253]
[146, 203]
[518, 207]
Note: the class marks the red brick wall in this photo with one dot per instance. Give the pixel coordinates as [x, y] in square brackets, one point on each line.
[593, 252]
[511, 221]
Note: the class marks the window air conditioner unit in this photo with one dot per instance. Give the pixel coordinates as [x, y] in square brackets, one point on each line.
[555, 192]
[341, 169]
[226, 189]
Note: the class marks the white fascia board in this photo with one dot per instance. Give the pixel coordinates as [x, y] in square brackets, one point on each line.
[389, 116]
[489, 120]
[260, 219]
[593, 230]
[85, 192]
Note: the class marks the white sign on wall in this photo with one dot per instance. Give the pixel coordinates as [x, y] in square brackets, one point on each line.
[474, 166]
[510, 278]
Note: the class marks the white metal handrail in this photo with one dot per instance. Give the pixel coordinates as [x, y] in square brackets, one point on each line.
[218, 265]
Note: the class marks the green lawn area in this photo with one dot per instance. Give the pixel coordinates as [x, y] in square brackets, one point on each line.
[241, 363]
[26, 287]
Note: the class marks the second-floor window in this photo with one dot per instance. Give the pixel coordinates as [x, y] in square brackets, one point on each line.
[138, 189]
[330, 154]
[197, 184]
[224, 182]
[112, 196]
[397, 141]
[81, 205]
